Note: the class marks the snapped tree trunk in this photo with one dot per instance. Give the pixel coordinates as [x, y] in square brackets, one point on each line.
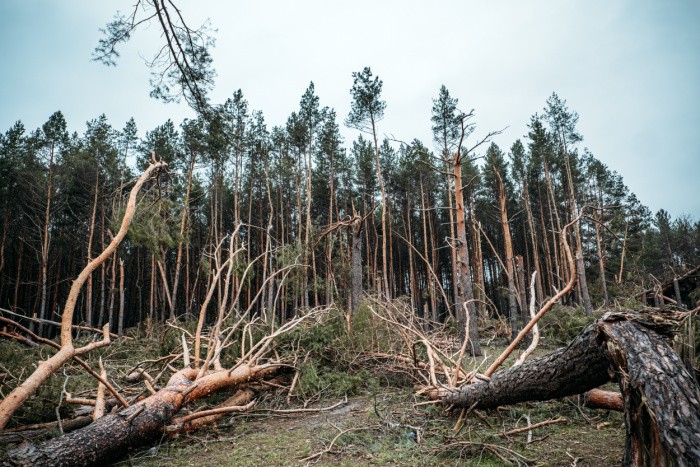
[661, 399]
[110, 437]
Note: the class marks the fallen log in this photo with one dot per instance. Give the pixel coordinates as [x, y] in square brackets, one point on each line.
[601, 399]
[111, 436]
[661, 399]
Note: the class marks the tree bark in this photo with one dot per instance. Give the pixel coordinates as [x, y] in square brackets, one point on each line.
[465, 280]
[111, 436]
[508, 244]
[45, 243]
[661, 399]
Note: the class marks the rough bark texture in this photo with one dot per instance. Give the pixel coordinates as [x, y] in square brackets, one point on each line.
[465, 280]
[111, 436]
[581, 366]
[661, 399]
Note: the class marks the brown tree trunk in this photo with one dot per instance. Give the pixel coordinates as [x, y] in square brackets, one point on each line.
[88, 287]
[413, 285]
[661, 398]
[120, 326]
[601, 256]
[428, 277]
[508, 244]
[45, 244]
[533, 241]
[110, 437]
[183, 223]
[453, 249]
[465, 280]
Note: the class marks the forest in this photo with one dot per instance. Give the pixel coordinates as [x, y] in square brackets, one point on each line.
[285, 268]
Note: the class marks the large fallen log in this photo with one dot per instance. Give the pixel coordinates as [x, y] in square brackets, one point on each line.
[110, 437]
[661, 399]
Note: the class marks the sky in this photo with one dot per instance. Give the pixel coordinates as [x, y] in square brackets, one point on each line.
[631, 69]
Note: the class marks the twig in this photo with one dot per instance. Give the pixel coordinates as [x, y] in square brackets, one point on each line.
[530, 427]
[328, 449]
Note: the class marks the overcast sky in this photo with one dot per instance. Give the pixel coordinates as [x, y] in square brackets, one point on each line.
[631, 69]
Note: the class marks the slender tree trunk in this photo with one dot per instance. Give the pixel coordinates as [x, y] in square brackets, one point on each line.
[356, 263]
[601, 257]
[553, 210]
[181, 241]
[112, 293]
[103, 269]
[508, 244]
[453, 249]
[533, 241]
[618, 279]
[18, 277]
[385, 211]
[429, 278]
[120, 327]
[45, 243]
[411, 262]
[88, 290]
[151, 299]
[465, 280]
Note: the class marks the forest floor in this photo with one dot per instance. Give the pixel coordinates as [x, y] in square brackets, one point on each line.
[381, 430]
[380, 422]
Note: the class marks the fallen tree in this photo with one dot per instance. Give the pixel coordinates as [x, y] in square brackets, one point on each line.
[111, 436]
[661, 399]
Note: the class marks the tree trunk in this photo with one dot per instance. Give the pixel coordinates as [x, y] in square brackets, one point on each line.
[465, 280]
[508, 244]
[385, 212]
[88, 287]
[661, 398]
[356, 264]
[533, 241]
[183, 223]
[120, 326]
[429, 278]
[110, 437]
[45, 243]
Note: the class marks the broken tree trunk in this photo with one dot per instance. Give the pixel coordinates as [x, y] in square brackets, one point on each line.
[661, 399]
[111, 436]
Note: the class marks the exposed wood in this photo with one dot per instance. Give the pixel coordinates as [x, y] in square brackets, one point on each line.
[601, 399]
[140, 424]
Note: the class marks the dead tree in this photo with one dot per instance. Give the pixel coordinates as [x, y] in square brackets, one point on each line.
[661, 399]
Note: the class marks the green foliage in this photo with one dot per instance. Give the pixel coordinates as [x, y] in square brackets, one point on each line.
[17, 363]
[155, 224]
[562, 324]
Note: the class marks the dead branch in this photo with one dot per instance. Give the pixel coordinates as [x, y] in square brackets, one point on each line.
[533, 426]
[535, 329]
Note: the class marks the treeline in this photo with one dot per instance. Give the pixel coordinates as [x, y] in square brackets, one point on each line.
[290, 193]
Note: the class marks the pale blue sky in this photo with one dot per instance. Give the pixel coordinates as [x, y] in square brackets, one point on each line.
[631, 69]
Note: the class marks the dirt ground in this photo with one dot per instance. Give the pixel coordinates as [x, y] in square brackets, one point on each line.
[390, 429]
